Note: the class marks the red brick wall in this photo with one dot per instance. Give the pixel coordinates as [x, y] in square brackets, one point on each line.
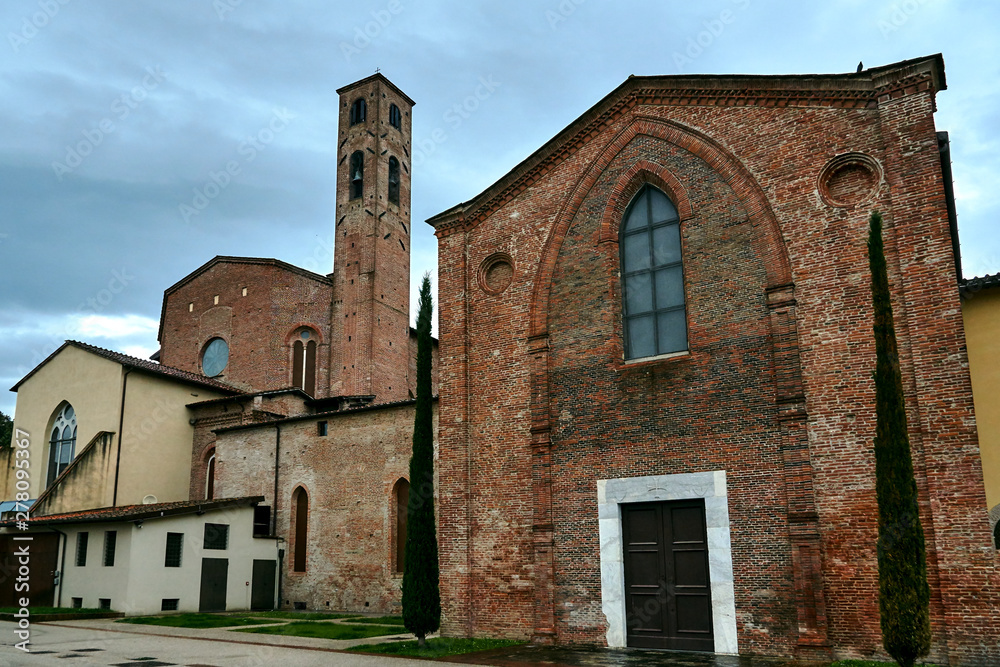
[260, 327]
[537, 405]
[371, 305]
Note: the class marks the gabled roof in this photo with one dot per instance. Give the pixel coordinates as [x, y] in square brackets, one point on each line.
[143, 365]
[858, 90]
[137, 512]
[225, 259]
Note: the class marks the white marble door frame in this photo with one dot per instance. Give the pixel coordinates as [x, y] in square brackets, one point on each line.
[711, 486]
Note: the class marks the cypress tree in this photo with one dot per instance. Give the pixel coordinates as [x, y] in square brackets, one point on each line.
[421, 598]
[902, 566]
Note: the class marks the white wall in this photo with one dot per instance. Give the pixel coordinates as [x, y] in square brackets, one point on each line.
[139, 582]
[95, 580]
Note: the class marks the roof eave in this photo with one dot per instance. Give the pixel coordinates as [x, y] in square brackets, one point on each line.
[869, 80]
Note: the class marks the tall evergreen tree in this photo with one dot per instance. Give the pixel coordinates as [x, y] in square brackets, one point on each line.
[902, 566]
[6, 430]
[421, 597]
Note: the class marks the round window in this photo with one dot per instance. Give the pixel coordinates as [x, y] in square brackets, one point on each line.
[215, 357]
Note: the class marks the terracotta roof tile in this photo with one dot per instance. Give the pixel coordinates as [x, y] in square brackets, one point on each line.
[133, 512]
[141, 364]
[972, 285]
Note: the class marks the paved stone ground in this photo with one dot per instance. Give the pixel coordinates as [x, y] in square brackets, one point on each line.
[87, 643]
[554, 656]
[106, 643]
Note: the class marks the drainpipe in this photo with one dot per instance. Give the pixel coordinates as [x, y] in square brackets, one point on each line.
[62, 565]
[281, 569]
[121, 425]
[277, 461]
[274, 508]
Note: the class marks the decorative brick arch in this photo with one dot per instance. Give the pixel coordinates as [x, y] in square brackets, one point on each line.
[769, 246]
[629, 183]
[292, 335]
[767, 239]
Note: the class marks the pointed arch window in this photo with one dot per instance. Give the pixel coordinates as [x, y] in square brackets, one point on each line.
[210, 477]
[359, 110]
[394, 181]
[62, 442]
[395, 117]
[401, 498]
[300, 524]
[304, 362]
[652, 277]
[357, 174]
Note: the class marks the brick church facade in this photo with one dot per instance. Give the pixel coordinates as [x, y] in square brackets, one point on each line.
[657, 405]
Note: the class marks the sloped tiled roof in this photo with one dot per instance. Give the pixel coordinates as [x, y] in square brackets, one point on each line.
[971, 285]
[249, 395]
[139, 364]
[136, 512]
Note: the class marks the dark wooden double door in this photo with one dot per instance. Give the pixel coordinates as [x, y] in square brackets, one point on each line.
[667, 587]
[215, 581]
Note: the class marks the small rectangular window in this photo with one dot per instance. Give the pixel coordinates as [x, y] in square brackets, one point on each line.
[77, 603]
[216, 536]
[261, 520]
[110, 541]
[169, 604]
[105, 603]
[81, 549]
[244, 291]
[191, 307]
[175, 545]
[321, 428]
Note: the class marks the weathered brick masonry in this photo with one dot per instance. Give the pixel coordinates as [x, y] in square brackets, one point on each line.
[773, 178]
[349, 476]
[259, 307]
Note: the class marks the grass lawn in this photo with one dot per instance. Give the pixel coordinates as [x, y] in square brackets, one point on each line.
[301, 615]
[381, 620]
[195, 620]
[327, 630]
[437, 647]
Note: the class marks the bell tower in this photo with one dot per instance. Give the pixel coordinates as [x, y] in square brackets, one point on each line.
[370, 327]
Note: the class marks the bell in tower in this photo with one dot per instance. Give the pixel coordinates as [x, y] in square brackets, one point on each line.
[370, 348]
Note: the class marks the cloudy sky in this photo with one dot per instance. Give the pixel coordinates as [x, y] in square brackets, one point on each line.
[114, 115]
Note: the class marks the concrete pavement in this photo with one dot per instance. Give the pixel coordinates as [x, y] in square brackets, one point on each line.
[105, 643]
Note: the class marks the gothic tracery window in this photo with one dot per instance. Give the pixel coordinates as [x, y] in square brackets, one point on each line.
[304, 361]
[62, 442]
